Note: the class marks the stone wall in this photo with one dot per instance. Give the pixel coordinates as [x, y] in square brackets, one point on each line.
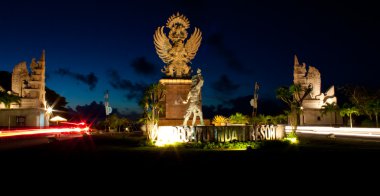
[314, 117]
[22, 118]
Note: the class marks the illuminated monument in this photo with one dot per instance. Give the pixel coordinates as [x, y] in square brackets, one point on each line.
[176, 53]
[194, 100]
[31, 88]
[314, 102]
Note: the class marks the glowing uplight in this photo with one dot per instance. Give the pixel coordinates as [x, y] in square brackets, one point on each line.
[165, 136]
[169, 135]
[293, 140]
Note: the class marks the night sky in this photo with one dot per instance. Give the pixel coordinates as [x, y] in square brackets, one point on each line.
[94, 46]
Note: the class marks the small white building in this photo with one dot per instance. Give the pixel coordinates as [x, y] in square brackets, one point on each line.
[31, 112]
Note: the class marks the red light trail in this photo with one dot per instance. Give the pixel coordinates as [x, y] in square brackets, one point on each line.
[43, 131]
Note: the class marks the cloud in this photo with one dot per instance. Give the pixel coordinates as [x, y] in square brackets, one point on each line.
[216, 40]
[90, 79]
[142, 66]
[135, 90]
[224, 85]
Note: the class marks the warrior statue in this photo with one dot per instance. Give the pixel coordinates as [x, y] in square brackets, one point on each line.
[194, 98]
[175, 53]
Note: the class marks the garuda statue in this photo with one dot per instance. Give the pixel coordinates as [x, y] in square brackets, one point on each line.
[175, 53]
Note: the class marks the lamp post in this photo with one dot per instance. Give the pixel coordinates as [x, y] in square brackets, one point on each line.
[9, 116]
[253, 101]
[49, 111]
[302, 117]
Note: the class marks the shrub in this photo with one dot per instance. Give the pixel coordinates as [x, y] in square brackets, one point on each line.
[234, 145]
[274, 145]
[238, 118]
[219, 120]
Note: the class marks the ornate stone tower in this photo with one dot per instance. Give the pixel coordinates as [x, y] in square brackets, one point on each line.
[30, 87]
[176, 53]
[20, 76]
[312, 104]
[303, 77]
[299, 72]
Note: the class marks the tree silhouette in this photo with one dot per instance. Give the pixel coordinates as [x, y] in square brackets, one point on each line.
[374, 108]
[152, 104]
[8, 98]
[293, 96]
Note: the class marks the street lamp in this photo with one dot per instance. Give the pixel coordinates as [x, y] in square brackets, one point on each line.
[49, 111]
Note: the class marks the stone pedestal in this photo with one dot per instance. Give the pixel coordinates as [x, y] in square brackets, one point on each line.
[174, 110]
[176, 91]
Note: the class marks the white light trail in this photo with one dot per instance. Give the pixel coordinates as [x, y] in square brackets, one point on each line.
[344, 131]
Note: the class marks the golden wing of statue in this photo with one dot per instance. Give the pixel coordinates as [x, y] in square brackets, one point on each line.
[193, 44]
[162, 44]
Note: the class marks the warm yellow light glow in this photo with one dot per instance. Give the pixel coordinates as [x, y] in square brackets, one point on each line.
[165, 136]
[170, 135]
[175, 81]
[292, 140]
[49, 110]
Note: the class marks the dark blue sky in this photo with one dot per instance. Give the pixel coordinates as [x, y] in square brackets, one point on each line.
[92, 46]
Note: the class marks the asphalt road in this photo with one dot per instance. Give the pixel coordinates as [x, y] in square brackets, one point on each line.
[24, 142]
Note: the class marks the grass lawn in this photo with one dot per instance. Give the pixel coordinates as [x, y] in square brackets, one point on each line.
[109, 154]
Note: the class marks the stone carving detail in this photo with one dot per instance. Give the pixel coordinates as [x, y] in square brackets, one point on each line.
[194, 97]
[30, 86]
[316, 99]
[314, 77]
[19, 76]
[173, 51]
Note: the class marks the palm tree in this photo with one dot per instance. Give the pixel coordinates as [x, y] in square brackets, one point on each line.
[9, 98]
[152, 104]
[374, 107]
[329, 108]
[238, 118]
[349, 111]
[279, 119]
[261, 119]
[115, 122]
